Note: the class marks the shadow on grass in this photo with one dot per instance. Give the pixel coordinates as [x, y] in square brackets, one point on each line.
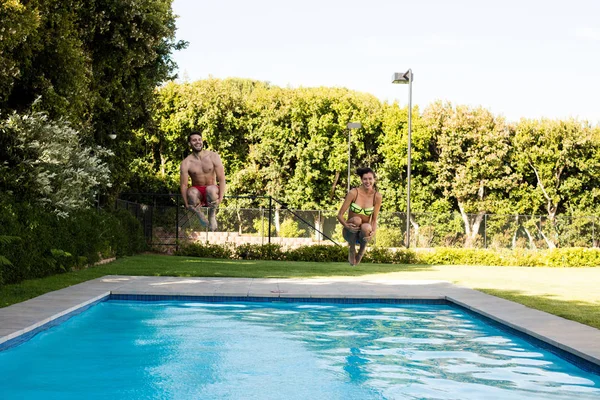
[587, 313]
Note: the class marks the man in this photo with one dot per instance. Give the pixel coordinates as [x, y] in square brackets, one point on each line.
[203, 166]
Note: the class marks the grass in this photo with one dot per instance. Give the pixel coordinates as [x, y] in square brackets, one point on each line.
[567, 292]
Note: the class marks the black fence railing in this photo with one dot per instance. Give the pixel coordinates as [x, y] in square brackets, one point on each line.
[261, 220]
[245, 219]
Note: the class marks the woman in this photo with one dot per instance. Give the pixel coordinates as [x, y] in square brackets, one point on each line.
[363, 204]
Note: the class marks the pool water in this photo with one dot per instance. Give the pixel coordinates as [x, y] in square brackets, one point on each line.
[183, 350]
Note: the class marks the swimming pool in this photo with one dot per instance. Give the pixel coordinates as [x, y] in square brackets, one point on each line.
[250, 350]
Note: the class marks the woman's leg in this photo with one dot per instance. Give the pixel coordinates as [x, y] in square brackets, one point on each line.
[364, 237]
[351, 238]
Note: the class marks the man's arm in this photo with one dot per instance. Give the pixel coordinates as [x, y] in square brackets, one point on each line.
[183, 182]
[220, 172]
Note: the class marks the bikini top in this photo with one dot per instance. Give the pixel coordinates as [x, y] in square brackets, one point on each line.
[355, 208]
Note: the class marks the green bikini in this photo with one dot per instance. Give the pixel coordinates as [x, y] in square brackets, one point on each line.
[355, 208]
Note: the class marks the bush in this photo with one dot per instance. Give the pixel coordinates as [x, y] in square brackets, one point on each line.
[572, 257]
[205, 250]
[452, 256]
[318, 253]
[259, 252]
[290, 229]
[568, 257]
[49, 244]
[389, 237]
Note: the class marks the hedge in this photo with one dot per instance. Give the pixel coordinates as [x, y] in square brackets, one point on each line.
[567, 257]
[43, 244]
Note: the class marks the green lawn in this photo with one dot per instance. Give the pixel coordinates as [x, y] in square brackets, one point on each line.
[568, 292]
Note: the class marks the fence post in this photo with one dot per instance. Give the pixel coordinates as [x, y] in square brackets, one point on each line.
[485, 231]
[177, 224]
[593, 233]
[270, 216]
[262, 225]
[320, 227]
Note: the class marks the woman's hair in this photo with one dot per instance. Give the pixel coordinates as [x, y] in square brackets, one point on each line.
[365, 170]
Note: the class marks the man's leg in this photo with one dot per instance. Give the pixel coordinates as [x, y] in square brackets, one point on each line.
[212, 194]
[195, 203]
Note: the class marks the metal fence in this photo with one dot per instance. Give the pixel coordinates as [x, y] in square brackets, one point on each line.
[261, 220]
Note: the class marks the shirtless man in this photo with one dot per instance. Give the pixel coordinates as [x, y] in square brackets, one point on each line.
[203, 166]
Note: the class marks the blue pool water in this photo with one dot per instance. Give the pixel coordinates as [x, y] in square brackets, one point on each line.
[183, 350]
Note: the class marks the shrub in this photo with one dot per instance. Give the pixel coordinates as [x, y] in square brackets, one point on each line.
[205, 250]
[452, 256]
[378, 255]
[389, 237]
[289, 228]
[318, 253]
[261, 226]
[259, 252]
[572, 257]
[50, 244]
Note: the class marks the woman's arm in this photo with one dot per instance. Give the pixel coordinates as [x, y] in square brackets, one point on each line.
[343, 209]
[377, 205]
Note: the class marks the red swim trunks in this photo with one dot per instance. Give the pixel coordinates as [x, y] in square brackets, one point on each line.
[203, 199]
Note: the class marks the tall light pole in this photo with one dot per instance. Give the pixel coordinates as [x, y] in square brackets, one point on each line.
[407, 78]
[350, 126]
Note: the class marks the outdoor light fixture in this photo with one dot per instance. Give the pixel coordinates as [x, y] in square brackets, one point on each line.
[350, 126]
[113, 136]
[407, 78]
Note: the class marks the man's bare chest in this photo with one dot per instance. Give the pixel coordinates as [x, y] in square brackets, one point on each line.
[202, 166]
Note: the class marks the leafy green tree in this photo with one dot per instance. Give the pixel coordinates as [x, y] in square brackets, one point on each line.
[47, 164]
[18, 22]
[95, 63]
[472, 166]
[559, 161]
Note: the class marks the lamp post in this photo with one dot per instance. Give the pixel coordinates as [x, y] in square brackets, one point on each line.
[350, 126]
[407, 78]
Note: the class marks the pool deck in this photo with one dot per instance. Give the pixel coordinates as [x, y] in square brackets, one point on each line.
[25, 318]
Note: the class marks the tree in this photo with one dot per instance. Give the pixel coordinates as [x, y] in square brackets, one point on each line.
[472, 167]
[46, 163]
[559, 160]
[95, 63]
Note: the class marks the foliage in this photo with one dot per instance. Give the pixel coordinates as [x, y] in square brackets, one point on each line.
[388, 236]
[379, 255]
[94, 63]
[318, 253]
[46, 163]
[290, 228]
[207, 250]
[472, 166]
[559, 165]
[259, 252]
[571, 257]
[51, 244]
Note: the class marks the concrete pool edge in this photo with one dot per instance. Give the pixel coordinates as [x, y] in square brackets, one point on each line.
[21, 321]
